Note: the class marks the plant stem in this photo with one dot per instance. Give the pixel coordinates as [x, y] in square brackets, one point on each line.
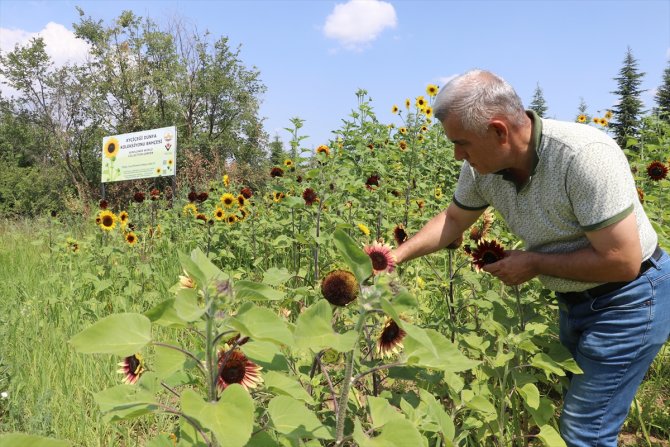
[209, 347]
[346, 382]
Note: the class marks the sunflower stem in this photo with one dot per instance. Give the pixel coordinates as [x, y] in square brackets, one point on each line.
[209, 347]
[346, 382]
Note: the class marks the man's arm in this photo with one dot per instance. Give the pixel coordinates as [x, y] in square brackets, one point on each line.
[614, 255]
[439, 232]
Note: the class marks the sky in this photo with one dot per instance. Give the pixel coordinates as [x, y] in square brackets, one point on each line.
[314, 55]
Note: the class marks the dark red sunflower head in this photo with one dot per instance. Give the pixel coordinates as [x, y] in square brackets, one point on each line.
[390, 339]
[339, 287]
[192, 196]
[399, 234]
[657, 171]
[276, 172]
[155, 194]
[132, 368]
[138, 197]
[202, 197]
[235, 367]
[246, 192]
[372, 181]
[487, 252]
[103, 204]
[309, 196]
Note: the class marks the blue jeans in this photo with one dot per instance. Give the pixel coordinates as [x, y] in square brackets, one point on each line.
[614, 339]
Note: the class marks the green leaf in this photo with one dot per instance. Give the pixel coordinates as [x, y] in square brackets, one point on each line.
[382, 411]
[357, 260]
[547, 364]
[274, 276]
[161, 441]
[544, 412]
[231, 419]
[530, 395]
[164, 314]
[399, 433]
[266, 354]
[430, 349]
[25, 440]
[282, 384]
[481, 404]
[119, 334]
[249, 290]
[167, 361]
[314, 330]
[186, 305]
[125, 402]
[261, 323]
[437, 413]
[550, 437]
[291, 418]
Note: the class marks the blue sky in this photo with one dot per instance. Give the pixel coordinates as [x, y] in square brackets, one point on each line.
[314, 55]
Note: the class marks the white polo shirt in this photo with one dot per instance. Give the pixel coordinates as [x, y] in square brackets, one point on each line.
[581, 182]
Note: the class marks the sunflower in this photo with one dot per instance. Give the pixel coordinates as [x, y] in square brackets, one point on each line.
[581, 118]
[231, 219]
[487, 252]
[190, 209]
[107, 220]
[399, 234]
[478, 232]
[431, 90]
[155, 194]
[219, 214]
[103, 204]
[424, 128]
[235, 367]
[288, 163]
[381, 257]
[640, 195]
[246, 192]
[228, 200]
[276, 172]
[170, 162]
[111, 147]
[402, 144]
[604, 122]
[138, 197]
[202, 197]
[132, 367]
[403, 130]
[390, 339]
[428, 111]
[277, 196]
[226, 180]
[596, 120]
[201, 216]
[241, 201]
[131, 238]
[309, 196]
[420, 102]
[158, 171]
[339, 287]
[371, 181]
[609, 115]
[323, 149]
[364, 229]
[71, 245]
[438, 192]
[657, 171]
[394, 109]
[243, 214]
[123, 217]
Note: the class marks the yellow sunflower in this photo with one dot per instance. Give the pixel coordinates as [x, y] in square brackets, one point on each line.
[364, 229]
[581, 118]
[190, 210]
[431, 90]
[226, 180]
[428, 111]
[131, 238]
[323, 149]
[288, 163]
[407, 103]
[158, 171]
[228, 200]
[394, 109]
[609, 115]
[421, 102]
[403, 130]
[111, 147]
[123, 217]
[219, 214]
[107, 220]
[438, 192]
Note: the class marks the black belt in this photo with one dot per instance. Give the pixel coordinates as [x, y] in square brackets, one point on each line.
[608, 287]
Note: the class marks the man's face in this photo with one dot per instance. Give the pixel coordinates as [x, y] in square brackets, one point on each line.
[483, 152]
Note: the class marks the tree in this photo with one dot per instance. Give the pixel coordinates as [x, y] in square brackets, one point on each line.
[583, 115]
[663, 96]
[627, 111]
[277, 154]
[538, 104]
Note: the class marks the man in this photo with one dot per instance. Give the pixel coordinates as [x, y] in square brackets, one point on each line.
[567, 191]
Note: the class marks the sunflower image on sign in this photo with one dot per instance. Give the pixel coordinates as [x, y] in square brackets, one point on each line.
[168, 138]
[110, 149]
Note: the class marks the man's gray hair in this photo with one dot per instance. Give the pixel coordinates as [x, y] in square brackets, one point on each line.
[477, 96]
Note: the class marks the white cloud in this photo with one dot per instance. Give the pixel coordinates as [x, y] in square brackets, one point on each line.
[357, 23]
[61, 43]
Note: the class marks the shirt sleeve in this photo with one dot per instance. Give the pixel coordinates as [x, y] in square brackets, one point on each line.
[600, 185]
[467, 195]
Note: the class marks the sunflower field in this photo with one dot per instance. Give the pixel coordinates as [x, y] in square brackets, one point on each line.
[236, 315]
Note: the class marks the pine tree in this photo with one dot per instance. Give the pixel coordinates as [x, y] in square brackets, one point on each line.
[663, 96]
[538, 104]
[583, 115]
[277, 155]
[628, 109]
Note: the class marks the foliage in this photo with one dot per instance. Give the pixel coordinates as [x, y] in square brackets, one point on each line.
[628, 109]
[662, 96]
[538, 103]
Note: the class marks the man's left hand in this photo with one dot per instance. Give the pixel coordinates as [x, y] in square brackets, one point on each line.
[515, 268]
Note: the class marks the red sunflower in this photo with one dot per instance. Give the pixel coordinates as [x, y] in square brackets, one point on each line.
[381, 257]
[339, 287]
[390, 340]
[657, 171]
[372, 181]
[246, 192]
[276, 172]
[309, 196]
[399, 234]
[235, 367]
[487, 252]
[132, 367]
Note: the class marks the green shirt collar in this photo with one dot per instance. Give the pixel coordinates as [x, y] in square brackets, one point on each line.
[535, 141]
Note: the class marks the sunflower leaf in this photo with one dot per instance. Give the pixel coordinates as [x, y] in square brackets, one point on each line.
[291, 418]
[430, 349]
[314, 330]
[231, 419]
[125, 402]
[357, 260]
[261, 323]
[23, 439]
[249, 290]
[119, 334]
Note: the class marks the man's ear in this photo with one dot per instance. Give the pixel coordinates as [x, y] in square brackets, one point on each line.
[501, 129]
